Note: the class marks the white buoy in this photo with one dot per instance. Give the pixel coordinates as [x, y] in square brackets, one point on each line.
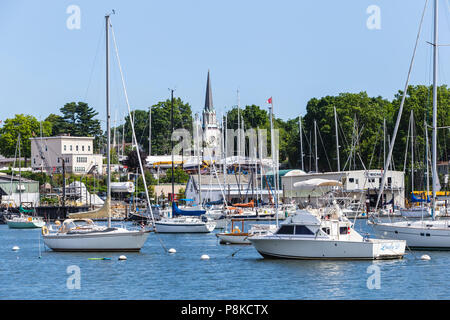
[122, 258]
[172, 250]
[15, 248]
[425, 257]
[204, 257]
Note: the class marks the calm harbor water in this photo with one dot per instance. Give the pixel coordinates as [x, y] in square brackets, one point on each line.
[154, 274]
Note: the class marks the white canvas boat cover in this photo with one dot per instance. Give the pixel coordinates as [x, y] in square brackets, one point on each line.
[312, 184]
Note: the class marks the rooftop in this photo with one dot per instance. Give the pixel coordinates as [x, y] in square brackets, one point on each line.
[63, 137]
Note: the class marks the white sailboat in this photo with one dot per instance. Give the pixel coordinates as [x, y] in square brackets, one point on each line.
[189, 220]
[432, 234]
[22, 221]
[81, 233]
[185, 224]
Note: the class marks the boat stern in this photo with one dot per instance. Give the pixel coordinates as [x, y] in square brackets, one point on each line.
[388, 249]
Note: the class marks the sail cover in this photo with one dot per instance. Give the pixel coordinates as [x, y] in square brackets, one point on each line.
[415, 199]
[179, 212]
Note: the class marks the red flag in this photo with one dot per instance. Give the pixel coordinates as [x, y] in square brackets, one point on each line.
[269, 100]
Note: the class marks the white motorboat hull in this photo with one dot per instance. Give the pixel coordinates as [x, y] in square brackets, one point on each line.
[417, 235]
[168, 227]
[97, 241]
[295, 248]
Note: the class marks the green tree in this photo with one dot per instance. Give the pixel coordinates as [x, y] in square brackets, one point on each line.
[161, 125]
[57, 123]
[358, 114]
[179, 175]
[28, 127]
[78, 120]
[132, 161]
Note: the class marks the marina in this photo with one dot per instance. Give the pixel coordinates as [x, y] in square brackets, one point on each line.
[154, 274]
[315, 187]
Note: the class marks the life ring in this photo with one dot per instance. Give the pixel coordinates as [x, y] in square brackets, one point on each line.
[45, 231]
[236, 230]
[30, 219]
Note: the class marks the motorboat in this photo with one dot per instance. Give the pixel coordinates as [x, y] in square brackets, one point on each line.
[307, 235]
[185, 224]
[84, 235]
[238, 236]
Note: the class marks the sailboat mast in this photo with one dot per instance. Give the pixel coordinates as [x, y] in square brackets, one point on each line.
[199, 164]
[434, 134]
[239, 140]
[20, 178]
[274, 162]
[149, 131]
[337, 141]
[426, 157]
[225, 142]
[315, 146]
[123, 138]
[171, 141]
[108, 124]
[412, 151]
[384, 143]
[301, 141]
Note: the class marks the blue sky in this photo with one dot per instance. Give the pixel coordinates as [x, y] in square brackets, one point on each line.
[290, 50]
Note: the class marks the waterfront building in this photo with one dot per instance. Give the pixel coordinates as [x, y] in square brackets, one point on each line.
[48, 153]
[235, 189]
[13, 192]
[357, 186]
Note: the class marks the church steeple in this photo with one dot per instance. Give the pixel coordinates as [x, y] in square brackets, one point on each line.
[208, 99]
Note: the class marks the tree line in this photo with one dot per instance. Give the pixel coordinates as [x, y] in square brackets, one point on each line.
[361, 123]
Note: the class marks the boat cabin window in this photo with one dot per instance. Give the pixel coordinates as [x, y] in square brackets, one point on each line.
[302, 230]
[343, 230]
[286, 230]
[326, 230]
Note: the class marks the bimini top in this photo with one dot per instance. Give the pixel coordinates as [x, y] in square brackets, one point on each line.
[312, 184]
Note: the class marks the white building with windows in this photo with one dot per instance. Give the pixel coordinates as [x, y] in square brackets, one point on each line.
[48, 153]
[357, 186]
